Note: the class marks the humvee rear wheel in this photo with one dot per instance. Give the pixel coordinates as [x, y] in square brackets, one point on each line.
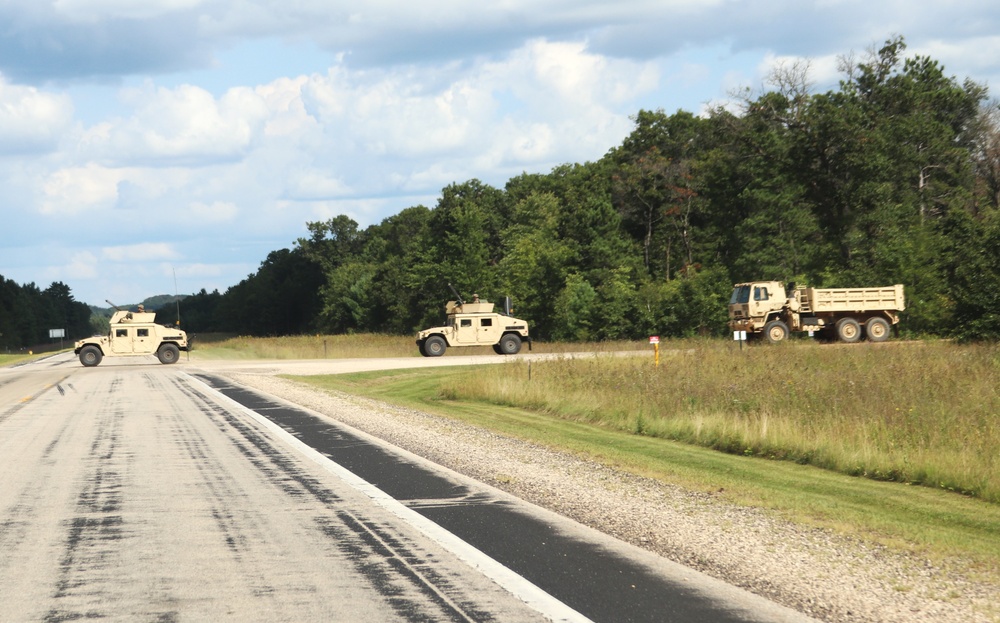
[168, 353]
[510, 344]
[434, 346]
[848, 330]
[877, 329]
[90, 356]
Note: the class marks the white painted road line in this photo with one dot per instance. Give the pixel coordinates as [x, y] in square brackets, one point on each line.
[547, 605]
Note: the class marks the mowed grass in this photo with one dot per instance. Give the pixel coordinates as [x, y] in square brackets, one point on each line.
[362, 345]
[8, 360]
[894, 443]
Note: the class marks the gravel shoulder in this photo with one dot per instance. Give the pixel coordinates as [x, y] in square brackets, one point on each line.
[814, 571]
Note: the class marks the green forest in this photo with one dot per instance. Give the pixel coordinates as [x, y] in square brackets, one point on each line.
[893, 177]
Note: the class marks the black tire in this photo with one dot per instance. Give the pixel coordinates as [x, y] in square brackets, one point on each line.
[848, 330]
[91, 356]
[510, 344]
[877, 329]
[776, 331]
[497, 349]
[168, 353]
[434, 346]
[420, 347]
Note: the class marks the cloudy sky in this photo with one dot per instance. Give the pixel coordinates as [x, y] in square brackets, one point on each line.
[154, 145]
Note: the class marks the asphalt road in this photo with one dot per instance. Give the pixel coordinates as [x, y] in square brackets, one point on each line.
[140, 492]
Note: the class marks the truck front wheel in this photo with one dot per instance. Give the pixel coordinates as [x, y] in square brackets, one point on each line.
[434, 346]
[848, 330]
[91, 356]
[510, 344]
[776, 331]
[877, 329]
[168, 353]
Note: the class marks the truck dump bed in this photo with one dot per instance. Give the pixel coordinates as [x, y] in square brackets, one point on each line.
[822, 300]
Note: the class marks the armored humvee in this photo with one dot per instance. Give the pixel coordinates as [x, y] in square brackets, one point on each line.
[132, 334]
[475, 324]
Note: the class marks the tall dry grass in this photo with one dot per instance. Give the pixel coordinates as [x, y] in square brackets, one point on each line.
[922, 413]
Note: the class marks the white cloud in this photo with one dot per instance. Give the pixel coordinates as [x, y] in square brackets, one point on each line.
[82, 265]
[185, 125]
[142, 252]
[80, 189]
[96, 10]
[362, 109]
[201, 214]
[32, 121]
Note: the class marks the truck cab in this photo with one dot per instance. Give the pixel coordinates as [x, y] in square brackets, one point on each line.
[753, 304]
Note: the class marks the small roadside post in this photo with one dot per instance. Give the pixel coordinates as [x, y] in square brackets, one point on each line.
[57, 333]
[655, 341]
[740, 336]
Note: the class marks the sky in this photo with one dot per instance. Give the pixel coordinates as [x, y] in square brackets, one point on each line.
[167, 146]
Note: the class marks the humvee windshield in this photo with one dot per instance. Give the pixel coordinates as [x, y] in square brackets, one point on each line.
[741, 295]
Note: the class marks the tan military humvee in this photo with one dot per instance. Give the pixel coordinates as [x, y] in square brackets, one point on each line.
[132, 334]
[475, 324]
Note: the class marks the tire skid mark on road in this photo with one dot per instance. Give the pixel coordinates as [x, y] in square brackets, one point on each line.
[15, 407]
[96, 533]
[221, 492]
[405, 580]
[25, 495]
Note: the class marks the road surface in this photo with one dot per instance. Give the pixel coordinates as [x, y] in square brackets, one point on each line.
[135, 491]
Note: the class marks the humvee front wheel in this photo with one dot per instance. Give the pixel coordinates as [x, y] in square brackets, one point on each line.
[168, 353]
[90, 356]
[434, 346]
[510, 344]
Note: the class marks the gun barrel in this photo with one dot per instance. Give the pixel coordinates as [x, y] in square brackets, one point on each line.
[458, 297]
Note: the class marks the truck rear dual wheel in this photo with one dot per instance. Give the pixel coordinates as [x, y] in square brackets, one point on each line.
[877, 329]
[848, 330]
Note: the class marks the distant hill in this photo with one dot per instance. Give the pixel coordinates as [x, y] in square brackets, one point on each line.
[153, 303]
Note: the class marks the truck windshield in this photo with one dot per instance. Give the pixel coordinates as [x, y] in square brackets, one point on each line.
[741, 295]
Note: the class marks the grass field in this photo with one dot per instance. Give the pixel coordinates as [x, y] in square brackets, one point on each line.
[895, 443]
[7, 360]
[362, 345]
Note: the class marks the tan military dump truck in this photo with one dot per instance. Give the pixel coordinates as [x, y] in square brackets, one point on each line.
[475, 324]
[133, 334]
[764, 309]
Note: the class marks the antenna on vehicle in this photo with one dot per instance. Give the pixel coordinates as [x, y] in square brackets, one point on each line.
[177, 297]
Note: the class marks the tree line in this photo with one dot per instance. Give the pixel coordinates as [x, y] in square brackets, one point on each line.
[892, 177]
[28, 314]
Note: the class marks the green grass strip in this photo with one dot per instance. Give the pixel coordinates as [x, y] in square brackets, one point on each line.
[941, 525]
